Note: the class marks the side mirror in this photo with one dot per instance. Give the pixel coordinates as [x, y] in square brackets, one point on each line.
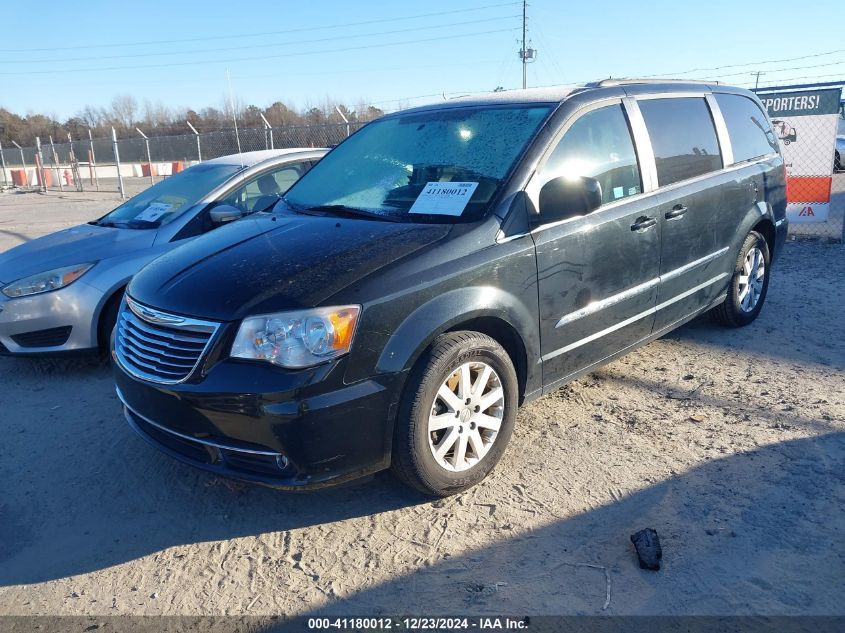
[563, 197]
[224, 213]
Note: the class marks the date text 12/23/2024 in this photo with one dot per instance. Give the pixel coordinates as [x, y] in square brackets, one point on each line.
[418, 623]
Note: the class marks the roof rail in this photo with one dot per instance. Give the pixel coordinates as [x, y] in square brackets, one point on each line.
[647, 80]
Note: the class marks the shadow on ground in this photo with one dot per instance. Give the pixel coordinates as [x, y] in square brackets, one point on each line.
[84, 494]
[763, 521]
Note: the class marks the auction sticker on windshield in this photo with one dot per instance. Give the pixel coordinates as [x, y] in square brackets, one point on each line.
[443, 198]
[154, 211]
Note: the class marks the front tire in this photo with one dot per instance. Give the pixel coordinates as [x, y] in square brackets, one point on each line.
[457, 414]
[749, 285]
[108, 320]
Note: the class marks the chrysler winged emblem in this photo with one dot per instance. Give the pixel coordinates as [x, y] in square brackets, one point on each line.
[151, 315]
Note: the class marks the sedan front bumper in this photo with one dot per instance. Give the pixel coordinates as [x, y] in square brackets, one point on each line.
[63, 320]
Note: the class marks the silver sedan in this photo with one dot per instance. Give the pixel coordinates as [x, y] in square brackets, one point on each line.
[61, 292]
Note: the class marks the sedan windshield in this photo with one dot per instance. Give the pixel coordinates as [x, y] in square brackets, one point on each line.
[431, 166]
[166, 200]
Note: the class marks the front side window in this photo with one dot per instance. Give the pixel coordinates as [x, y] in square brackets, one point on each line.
[598, 145]
[262, 192]
[168, 199]
[683, 138]
[751, 135]
[432, 166]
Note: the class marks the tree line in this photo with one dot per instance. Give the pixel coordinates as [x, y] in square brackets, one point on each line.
[124, 114]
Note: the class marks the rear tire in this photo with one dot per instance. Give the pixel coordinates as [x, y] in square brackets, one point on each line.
[749, 285]
[837, 162]
[447, 442]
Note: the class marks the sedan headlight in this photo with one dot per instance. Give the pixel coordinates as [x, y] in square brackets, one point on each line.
[297, 339]
[46, 281]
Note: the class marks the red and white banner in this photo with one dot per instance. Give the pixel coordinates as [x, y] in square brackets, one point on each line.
[806, 122]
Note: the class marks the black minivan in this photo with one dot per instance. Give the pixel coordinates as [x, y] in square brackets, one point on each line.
[442, 266]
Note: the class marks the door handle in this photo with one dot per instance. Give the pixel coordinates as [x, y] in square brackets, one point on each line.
[642, 223]
[677, 211]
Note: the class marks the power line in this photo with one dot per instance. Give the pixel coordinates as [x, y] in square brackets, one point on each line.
[197, 79]
[758, 63]
[256, 58]
[252, 46]
[776, 70]
[773, 84]
[264, 33]
[717, 77]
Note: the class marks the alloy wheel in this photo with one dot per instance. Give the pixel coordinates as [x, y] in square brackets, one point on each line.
[466, 416]
[751, 279]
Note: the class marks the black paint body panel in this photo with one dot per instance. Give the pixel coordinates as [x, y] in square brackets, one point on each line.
[416, 281]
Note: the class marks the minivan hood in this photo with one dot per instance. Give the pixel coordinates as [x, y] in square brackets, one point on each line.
[76, 245]
[265, 264]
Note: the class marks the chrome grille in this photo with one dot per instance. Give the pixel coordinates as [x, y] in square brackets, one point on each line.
[160, 347]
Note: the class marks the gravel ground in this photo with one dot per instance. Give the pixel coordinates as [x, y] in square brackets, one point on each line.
[730, 443]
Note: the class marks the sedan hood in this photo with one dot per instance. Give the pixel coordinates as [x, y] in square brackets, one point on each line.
[76, 245]
[264, 264]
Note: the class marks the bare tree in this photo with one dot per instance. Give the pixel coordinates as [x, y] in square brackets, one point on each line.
[157, 119]
[91, 116]
[124, 111]
[157, 115]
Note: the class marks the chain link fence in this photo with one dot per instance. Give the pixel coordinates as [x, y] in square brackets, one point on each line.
[815, 190]
[806, 121]
[128, 165]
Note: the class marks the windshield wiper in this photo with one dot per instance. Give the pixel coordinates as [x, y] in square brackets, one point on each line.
[109, 223]
[143, 224]
[342, 209]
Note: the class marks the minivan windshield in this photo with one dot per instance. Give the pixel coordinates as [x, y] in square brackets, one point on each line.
[441, 165]
[166, 200]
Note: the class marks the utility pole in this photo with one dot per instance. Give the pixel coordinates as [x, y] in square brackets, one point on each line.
[525, 53]
[757, 78]
[522, 52]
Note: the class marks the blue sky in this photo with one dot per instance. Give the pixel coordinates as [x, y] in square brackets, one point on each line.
[396, 53]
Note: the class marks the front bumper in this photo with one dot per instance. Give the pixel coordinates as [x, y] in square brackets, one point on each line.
[74, 307]
[258, 423]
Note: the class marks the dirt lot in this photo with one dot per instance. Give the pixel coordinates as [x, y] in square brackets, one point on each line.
[731, 443]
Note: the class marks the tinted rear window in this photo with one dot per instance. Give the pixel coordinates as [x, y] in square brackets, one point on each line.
[683, 137]
[751, 136]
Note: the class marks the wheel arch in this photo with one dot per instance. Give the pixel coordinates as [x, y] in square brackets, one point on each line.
[112, 295]
[766, 228]
[487, 310]
[505, 335]
[760, 218]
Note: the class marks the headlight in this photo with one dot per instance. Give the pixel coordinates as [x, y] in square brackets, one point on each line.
[297, 339]
[44, 282]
